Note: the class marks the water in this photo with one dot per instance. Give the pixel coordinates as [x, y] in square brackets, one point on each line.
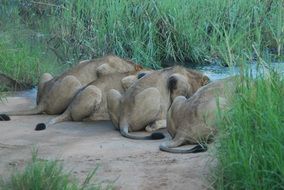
[30, 93]
[215, 72]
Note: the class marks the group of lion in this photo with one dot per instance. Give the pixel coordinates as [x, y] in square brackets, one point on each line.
[111, 88]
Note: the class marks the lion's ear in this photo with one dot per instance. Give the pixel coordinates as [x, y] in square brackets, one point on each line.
[138, 67]
[205, 80]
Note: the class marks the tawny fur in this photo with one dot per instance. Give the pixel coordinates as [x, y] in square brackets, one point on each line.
[193, 120]
[55, 94]
[145, 104]
[90, 101]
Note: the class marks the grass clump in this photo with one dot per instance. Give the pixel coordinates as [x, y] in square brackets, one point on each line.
[251, 145]
[48, 175]
[153, 33]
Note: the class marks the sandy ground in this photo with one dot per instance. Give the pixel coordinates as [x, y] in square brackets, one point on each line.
[84, 145]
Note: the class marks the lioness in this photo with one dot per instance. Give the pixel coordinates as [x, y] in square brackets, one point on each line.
[193, 120]
[55, 94]
[90, 101]
[145, 103]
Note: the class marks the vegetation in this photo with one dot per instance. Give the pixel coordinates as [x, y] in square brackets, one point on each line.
[20, 60]
[251, 144]
[48, 175]
[22, 54]
[36, 34]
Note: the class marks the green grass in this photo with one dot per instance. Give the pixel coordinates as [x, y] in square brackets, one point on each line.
[49, 175]
[250, 149]
[153, 33]
[21, 60]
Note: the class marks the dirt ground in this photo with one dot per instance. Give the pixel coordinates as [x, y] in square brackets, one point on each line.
[84, 145]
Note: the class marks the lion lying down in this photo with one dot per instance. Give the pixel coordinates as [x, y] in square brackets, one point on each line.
[90, 101]
[145, 103]
[55, 94]
[193, 120]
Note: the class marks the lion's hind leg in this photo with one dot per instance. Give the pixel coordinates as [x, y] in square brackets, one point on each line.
[43, 80]
[148, 103]
[82, 106]
[85, 103]
[113, 104]
[61, 94]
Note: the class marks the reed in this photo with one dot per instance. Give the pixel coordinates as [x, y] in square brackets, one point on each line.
[250, 145]
[154, 33]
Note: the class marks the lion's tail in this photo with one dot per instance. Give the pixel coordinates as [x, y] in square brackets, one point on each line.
[124, 132]
[195, 149]
[63, 117]
[33, 111]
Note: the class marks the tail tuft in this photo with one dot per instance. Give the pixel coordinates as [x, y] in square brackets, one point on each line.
[172, 83]
[157, 135]
[140, 75]
[196, 149]
[4, 117]
[199, 148]
[40, 126]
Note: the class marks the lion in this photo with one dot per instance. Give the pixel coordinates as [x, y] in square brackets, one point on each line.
[194, 120]
[144, 105]
[55, 94]
[90, 101]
